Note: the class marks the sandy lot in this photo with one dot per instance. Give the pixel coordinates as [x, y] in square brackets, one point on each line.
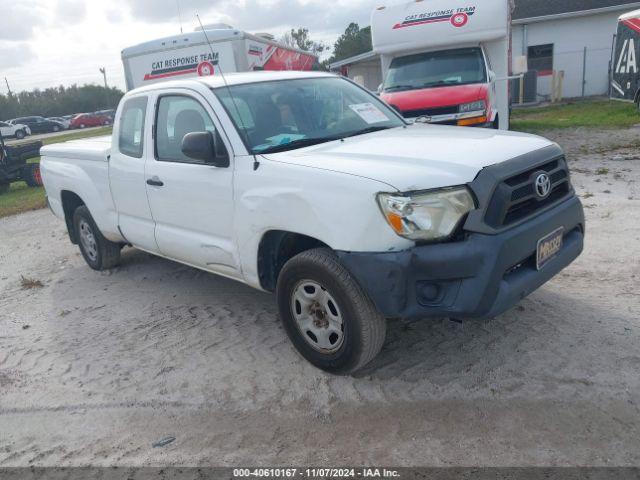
[95, 368]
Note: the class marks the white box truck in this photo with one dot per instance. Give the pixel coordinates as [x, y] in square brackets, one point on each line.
[446, 61]
[203, 53]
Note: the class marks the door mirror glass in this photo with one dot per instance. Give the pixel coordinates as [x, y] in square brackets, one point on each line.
[204, 146]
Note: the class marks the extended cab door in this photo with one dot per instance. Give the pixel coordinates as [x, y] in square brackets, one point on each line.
[191, 201]
[127, 178]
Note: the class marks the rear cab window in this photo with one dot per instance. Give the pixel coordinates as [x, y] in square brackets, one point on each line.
[131, 129]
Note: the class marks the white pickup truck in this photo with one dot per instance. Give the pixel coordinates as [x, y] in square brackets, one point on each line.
[307, 185]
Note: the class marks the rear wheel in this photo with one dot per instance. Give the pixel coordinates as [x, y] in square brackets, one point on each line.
[56, 128]
[98, 252]
[31, 175]
[82, 125]
[326, 314]
[20, 134]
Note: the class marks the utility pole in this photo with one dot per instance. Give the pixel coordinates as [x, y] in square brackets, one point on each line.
[103, 71]
[179, 16]
[8, 87]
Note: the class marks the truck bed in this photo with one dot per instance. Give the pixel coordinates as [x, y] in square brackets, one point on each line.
[81, 167]
[96, 149]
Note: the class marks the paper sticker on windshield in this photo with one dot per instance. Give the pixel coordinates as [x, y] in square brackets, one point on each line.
[369, 113]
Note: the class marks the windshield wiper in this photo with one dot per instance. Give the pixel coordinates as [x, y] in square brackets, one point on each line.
[440, 83]
[300, 143]
[399, 87]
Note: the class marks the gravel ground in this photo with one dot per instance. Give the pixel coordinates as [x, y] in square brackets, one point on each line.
[96, 367]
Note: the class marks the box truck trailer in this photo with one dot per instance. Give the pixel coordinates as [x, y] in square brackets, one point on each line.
[446, 61]
[625, 78]
[208, 52]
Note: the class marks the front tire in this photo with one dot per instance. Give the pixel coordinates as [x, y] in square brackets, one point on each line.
[326, 314]
[20, 134]
[98, 252]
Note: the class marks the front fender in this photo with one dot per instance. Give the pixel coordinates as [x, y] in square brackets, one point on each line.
[337, 209]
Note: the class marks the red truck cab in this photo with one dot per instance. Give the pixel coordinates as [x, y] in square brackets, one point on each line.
[450, 87]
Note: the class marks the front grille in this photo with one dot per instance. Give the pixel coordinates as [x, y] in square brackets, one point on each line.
[430, 112]
[515, 198]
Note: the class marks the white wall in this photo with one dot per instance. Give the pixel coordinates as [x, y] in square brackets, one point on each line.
[569, 37]
[370, 73]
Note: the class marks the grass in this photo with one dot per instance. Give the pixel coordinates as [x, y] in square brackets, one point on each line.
[21, 198]
[599, 113]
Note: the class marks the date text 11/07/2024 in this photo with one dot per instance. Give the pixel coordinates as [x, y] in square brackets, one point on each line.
[315, 473]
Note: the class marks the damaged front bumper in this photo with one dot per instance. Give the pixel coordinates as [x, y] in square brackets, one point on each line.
[480, 277]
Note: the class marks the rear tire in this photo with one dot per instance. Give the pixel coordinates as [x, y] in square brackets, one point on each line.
[82, 125]
[98, 252]
[20, 134]
[31, 175]
[326, 314]
[56, 129]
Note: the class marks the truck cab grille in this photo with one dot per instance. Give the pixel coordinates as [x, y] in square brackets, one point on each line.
[515, 198]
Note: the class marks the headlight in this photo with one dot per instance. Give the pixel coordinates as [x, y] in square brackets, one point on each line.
[426, 216]
[473, 106]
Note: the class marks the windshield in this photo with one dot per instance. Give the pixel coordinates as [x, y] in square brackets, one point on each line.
[435, 69]
[287, 114]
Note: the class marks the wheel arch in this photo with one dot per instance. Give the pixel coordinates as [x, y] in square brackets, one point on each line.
[276, 248]
[70, 202]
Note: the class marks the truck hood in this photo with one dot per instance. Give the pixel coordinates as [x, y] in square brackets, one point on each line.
[437, 97]
[418, 157]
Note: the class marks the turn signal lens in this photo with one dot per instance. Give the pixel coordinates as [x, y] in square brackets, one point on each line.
[471, 121]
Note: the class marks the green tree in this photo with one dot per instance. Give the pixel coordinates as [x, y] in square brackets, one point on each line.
[58, 101]
[353, 41]
[301, 40]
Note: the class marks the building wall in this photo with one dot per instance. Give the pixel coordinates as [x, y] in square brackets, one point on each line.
[570, 37]
[368, 74]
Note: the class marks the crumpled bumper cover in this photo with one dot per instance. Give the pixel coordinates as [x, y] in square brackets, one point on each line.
[479, 277]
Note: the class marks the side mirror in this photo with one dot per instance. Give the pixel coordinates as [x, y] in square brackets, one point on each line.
[207, 147]
[492, 76]
[379, 89]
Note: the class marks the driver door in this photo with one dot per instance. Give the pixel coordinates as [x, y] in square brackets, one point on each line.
[191, 201]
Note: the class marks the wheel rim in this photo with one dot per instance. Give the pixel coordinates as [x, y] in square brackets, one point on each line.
[88, 240]
[317, 316]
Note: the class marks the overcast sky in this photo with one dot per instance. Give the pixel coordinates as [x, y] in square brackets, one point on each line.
[46, 43]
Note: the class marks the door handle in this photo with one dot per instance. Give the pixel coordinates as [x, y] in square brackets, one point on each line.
[155, 182]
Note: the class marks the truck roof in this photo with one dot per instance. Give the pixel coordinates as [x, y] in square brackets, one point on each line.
[239, 78]
[630, 15]
[199, 37]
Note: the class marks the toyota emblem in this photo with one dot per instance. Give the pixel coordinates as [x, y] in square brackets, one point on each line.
[543, 185]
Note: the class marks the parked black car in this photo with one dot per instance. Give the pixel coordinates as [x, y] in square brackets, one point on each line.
[39, 124]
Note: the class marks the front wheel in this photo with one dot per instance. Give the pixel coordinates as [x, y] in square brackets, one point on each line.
[56, 129]
[20, 134]
[326, 314]
[98, 252]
